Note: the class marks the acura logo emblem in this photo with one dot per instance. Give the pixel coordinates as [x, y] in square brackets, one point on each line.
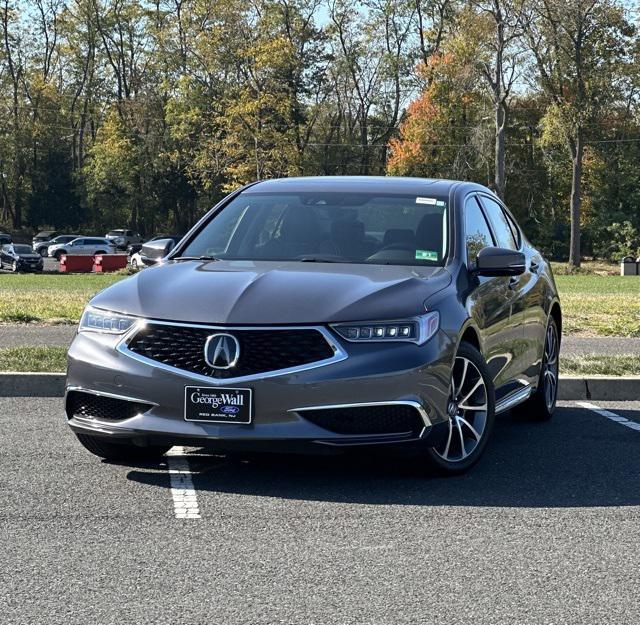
[221, 351]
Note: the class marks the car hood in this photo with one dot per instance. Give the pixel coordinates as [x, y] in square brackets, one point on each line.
[265, 292]
[29, 256]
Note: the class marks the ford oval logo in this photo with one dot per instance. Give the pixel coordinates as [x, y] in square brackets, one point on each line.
[229, 410]
[221, 351]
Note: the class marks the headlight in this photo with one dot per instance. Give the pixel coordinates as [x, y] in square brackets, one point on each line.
[415, 330]
[95, 320]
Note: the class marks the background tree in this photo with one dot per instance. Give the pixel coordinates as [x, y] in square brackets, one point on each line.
[580, 48]
[145, 112]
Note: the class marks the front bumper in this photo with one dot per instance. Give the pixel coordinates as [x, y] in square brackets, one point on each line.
[373, 373]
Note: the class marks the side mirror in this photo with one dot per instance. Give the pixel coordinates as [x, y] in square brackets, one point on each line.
[499, 261]
[155, 250]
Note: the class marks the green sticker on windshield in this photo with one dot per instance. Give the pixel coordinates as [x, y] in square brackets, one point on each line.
[426, 255]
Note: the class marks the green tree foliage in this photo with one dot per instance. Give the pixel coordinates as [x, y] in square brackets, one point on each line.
[145, 112]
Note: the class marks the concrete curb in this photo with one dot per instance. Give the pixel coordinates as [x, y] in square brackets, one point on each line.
[16, 384]
[602, 388]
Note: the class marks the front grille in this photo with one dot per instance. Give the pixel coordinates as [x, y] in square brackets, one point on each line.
[387, 419]
[92, 406]
[261, 351]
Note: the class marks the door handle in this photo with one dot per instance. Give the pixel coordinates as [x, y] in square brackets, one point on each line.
[513, 282]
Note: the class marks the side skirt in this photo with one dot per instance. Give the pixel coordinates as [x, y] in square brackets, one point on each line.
[513, 399]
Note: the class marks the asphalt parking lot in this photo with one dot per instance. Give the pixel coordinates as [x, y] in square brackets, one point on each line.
[543, 530]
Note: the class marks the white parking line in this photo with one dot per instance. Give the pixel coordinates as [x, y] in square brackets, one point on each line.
[610, 415]
[185, 500]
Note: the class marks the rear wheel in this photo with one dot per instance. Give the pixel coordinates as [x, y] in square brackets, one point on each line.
[42, 251]
[120, 451]
[471, 414]
[59, 254]
[542, 404]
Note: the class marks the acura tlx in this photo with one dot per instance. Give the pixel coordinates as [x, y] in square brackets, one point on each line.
[324, 314]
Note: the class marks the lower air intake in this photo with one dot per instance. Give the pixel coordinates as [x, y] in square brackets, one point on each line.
[88, 405]
[363, 420]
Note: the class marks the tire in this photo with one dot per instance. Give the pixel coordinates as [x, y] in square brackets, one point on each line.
[43, 252]
[100, 252]
[472, 415]
[59, 254]
[14, 267]
[542, 404]
[120, 451]
[134, 264]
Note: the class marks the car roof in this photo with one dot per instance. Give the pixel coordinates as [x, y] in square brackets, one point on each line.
[357, 184]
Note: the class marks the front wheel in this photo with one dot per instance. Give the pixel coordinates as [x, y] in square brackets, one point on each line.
[120, 451]
[471, 414]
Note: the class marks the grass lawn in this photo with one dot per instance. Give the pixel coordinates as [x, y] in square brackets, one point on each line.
[49, 297]
[600, 305]
[48, 359]
[593, 303]
[600, 365]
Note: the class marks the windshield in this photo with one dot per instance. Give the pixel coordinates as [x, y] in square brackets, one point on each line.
[327, 227]
[22, 249]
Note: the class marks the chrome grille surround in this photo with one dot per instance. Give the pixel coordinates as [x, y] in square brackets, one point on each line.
[123, 347]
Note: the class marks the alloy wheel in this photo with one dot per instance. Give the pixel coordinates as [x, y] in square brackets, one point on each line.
[550, 366]
[468, 406]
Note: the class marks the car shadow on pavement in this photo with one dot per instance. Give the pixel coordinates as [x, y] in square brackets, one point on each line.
[578, 459]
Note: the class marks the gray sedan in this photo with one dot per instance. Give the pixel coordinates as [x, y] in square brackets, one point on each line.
[324, 314]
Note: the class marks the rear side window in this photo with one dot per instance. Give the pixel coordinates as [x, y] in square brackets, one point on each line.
[501, 226]
[477, 231]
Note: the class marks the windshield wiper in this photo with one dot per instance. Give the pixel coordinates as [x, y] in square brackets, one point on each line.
[195, 258]
[319, 259]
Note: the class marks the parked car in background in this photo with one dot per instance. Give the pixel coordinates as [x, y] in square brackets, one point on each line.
[154, 250]
[83, 246]
[136, 247]
[123, 238]
[135, 261]
[42, 248]
[42, 237]
[19, 257]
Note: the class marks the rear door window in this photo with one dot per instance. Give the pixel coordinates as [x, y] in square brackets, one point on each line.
[501, 226]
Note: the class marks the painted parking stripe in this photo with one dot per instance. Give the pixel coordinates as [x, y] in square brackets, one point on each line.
[612, 416]
[185, 499]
